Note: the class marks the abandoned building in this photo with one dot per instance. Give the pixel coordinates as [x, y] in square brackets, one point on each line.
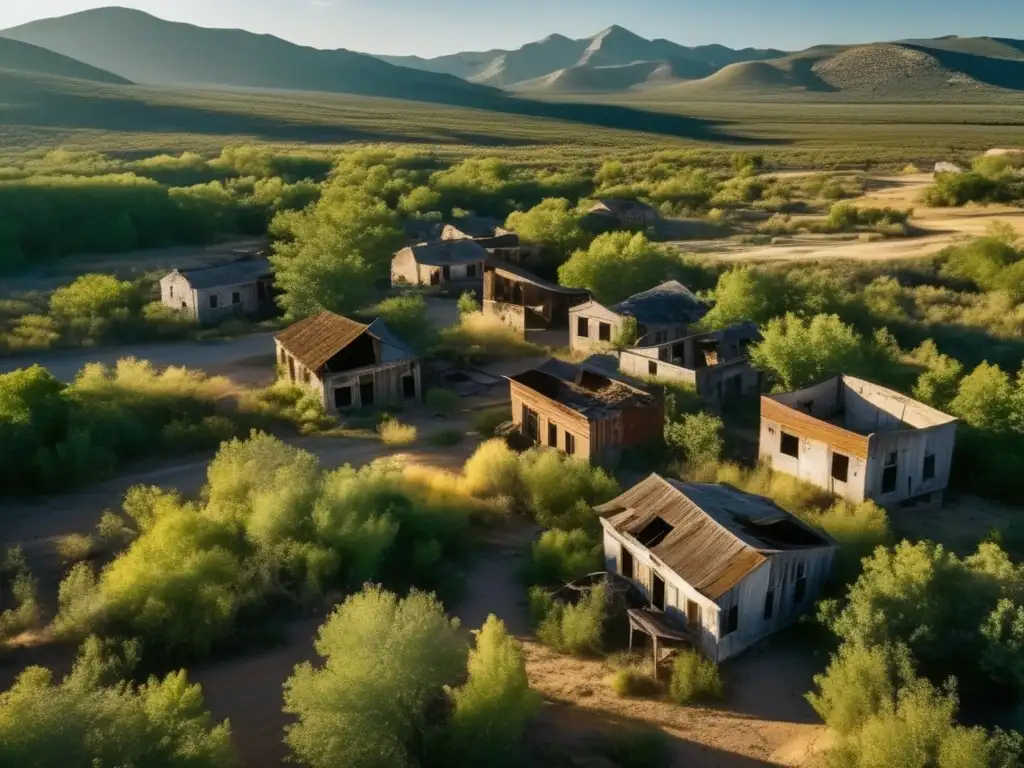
[584, 411]
[242, 288]
[500, 243]
[526, 302]
[727, 566]
[628, 213]
[349, 364]
[441, 263]
[662, 314]
[859, 440]
[716, 364]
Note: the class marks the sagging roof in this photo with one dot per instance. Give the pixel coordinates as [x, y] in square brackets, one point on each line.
[439, 253]
[519, 275]
[670, 302]
[711, 535]
[589, 391]
[242, 271]
[316, 339]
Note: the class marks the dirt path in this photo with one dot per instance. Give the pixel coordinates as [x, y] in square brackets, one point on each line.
[942, 227]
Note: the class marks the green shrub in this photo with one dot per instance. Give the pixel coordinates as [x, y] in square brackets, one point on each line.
[617, 265]
[83, 721]
[385, 661]
[25, 613]
[486, 422]
[394, 433]
[493, 708]
[563, 556]
[75, 547]
[468, 303]
[632, 676]
[577, 629]
[695, 679]
[442, 401]
[559, 490]
[480, 338]
[407, 317]
[698, 438]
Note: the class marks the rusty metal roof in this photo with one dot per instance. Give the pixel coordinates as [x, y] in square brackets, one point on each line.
[718, 534]
[320, 337]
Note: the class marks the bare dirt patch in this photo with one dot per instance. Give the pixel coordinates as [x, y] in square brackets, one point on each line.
[961, 523]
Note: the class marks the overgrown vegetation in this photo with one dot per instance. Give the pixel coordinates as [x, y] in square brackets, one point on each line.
[695, 679]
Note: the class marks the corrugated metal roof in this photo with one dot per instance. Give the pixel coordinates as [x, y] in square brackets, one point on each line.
[316, 339]
[242, 271]
[670, 302]
[718, 535]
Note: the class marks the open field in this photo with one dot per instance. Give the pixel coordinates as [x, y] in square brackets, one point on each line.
[38, 112]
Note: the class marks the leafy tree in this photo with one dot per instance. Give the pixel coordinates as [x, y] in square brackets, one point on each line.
[553, 224]
[408, 319]
[334, 252]
[91, 297]
[420, 200]
[559, 557]
[800, 352]
[985, 399]
[938, 385]
[385, 662]
[468, 304]
[992, 263]
[493, 708]
[617, 265]
[81, 722]
[746, 293]
[698, 438]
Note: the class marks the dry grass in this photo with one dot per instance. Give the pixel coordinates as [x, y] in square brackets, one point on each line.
[75, 547]
[482, 337]
[394, 433]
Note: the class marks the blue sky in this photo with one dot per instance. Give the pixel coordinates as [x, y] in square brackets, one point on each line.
[433, 27]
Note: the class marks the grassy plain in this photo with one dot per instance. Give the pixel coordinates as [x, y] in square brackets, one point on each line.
[39, 112]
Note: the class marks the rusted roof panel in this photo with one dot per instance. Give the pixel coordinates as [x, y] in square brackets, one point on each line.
[320, 337]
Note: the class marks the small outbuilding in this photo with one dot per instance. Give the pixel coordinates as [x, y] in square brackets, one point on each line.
[441, 263]
[349, 364]
[728, 566]
[859, 440]
[501, 244]
[662, 314]
[716, 363]
[527, 302]
[628, 213]
[584, 411]
[242, 288]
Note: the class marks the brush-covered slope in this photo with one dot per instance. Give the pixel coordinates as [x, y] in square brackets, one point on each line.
[17, 56]
[884, 71]
[560, 64]
[149, 50]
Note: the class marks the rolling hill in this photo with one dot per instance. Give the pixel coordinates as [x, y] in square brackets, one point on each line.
[148, 50]
[17, 56]
[941, 70]
[613, 59]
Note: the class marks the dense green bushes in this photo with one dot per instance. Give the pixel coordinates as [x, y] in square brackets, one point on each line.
[385, 695]
[617, 265]
[86, 721]
[271, 528]
[559, 557]
[695, 679]
[576, 628]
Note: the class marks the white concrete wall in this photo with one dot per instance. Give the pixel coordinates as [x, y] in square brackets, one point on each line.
[176, 293]
[248, 301]
[814, 464]
[911, 447]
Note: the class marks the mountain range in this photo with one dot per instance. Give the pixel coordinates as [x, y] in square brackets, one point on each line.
[119, 45]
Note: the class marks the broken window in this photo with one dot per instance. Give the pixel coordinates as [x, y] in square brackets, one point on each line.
[625, 562]
[928, 472]
[789, 445]
[732, 621]
[890, 474]
[570, 444]
[604, 332]
[409, 386]
[552, 435]
[236, 297]
[530, 425]
[692, 613]
[213, 301]
[652, 368]
[471, 270]
[840, 467]
[343, 397]
[582, 327]
[800, 589]
[769, 604]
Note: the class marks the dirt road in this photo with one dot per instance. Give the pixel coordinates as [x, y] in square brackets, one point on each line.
[941, 227]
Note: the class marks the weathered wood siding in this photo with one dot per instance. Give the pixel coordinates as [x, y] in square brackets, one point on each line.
[387, 384]
[911, 447]
[549, 411]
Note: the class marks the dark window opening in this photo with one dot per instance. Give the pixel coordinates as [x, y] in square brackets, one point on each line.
[928, 473]
[184, 305]
[604, 332]
[552, 435]
[732, 621]
[446, 273]
[626, 563]
[800, 590]
[305, 375]
[890, 459]
[236, 297]
[409, 386]
[692, 613]
[213, 301]
[291, 368]
[781, 532]
[530, 422]
[889, 477]
[343, 397]
[654, 532]
[840, 467]
[435, 277]
[171, 291]
[789, 445]
[570, 444]
[366, 392]
[658, 592]
[652, 368]
[582, 327]
[769, 604]
[471, 270]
